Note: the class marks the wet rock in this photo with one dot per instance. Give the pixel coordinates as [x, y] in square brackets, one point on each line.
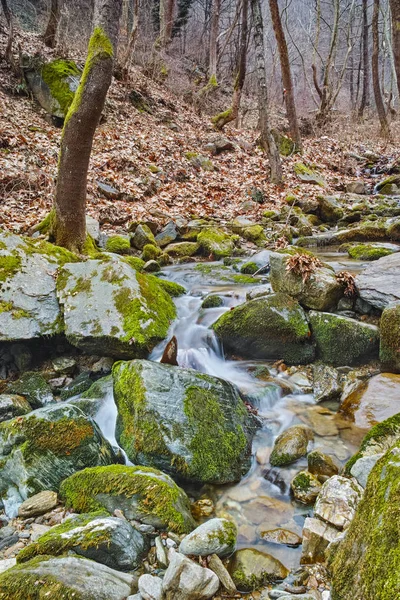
[373, 401]
[379, 283]
[12, 405]
[305, 487]
[144, 494]
[327, 383]
[330, 211]
[215, 242]
[321, 291]
[192, 425]
[185, 580]
[217, 536]
[291, 445]
[343, 341]
[110, 309]
[216, 565]
[390, 338]
[150, 587]
[337, 502]
[251, 569]
[64, 365]
[363, 467]
[321, 465]
[39, 450]
[143, 236]
[33, 387]
[151, 266]
[78, 577]
[282, 537]
[77, 386]
[317, 536]
[321, 421]
[38, 504]
[269, 327]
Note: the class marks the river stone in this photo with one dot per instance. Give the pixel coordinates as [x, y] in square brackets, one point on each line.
[95, 398]
[379, 283]
[291, 445]
[65, 576]
[107, 540]
[321, 291]
[39, 504]
[365, 566]
[189, 424]
[217, 536]
[215, 242]
[39, 450]
[216, 565]
[33, 387]
[308, 175]
[337, 502]
[305, 487]
[186, 580]
[143, 236]
[321, 465]
[327, 383]
[389, 352]
[330, 210]
[372, 402]
[269, 327]
[111, 309]
[317, 536]
[281, 536]
[342, 341]
[12, 405]
[150, 587]
[28, 268]
[141, 493]
[251, 569]
[167, 235]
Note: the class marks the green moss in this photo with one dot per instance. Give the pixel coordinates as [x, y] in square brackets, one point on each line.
[113, 275]
[215, 242]
[5, 306]
[135, 262]
[51, 251]
[118, 244]
[46, 225]
[249, 268]
[155, 496]
[172, 288]
[190, 155]
[55, 74]
[290, 199]
[212, 302]
[150, 252]
[9, 266]
[83, 284]
[390, 338]
[222, 118]
[367, 252]
[89, 247]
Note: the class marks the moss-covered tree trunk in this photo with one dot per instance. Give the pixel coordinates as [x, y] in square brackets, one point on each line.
[395, 8]
[50, 34]
[69, 226]
[380, 107]
[267, 139]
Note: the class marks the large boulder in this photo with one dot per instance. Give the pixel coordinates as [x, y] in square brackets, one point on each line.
[40, 449]
[186, 423]
[65, 577]
[321, 291]
[251, 569]
[366, 564]
[389, 351]
[269, 327]
[330, 210]
[343, 341]
[379, 283]
[111, 309]
[107, 540]
[28, 271]
[144, 494]
[372, 401]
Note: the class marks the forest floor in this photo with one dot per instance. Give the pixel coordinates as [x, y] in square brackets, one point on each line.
[145, 155]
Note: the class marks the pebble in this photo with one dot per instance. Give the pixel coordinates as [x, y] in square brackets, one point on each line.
[161, 553]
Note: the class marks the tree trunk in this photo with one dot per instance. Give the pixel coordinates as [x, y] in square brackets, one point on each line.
[395, 8]
[6, 11]
[69, 227]
[286, 73]
[380, 107]
[212, 69]
[365, 92]
[267, 139]
[52, 25]
[166, 21]
[132, 39]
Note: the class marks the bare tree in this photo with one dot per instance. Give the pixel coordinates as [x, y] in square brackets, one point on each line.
[365, 60]
[166, 21]
[286, 73]
[50, 34]
[6, 11]
[267, 139]
[212, 68]
[395, 8]
[132, 39]
[380, 107]
[69, 226]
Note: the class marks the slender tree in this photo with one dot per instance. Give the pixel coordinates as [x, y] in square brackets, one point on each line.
[380, 107]
[395, 8]
[50, 34]
[212, 68]
[267, 139]
[286, 72]
[167, 8]
[365, 60]
[6, 11]
[69, 226]
[127, 57]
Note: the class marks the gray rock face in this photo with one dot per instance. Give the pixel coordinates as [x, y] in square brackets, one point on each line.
[317, 535]
[327, 383]
[337, 502]
[111, 309]
[167, 235]
[12, 405]
[150, 587]
[379, 284]
[320, 292]
[186, 580]
[363, 467]
[33, 387]
[217, 536]
[39, 450]
[86, 578]
[291, 445]
[185, 423]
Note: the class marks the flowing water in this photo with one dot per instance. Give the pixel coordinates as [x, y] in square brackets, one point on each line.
[261, 501]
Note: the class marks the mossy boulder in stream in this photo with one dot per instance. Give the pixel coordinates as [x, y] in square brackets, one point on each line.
[366, 564]
[142, 493]
[111, 309]
[251, 569]
[368, 252]
[291, 445]
[215, 242]
[188, 424]
[274, 327]
[389, 352]
[40, 449]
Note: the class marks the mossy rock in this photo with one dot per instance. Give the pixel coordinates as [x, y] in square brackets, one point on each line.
[142, 493]
[368, 252]
[393, 230]
[389, 352]
[291, 445]
[367, 231]
[305, 487]
[13, 405]
[249, 268]
[251, 569]
[181, 249]
[143, 236]
[118, 244]
[212, 302]
[329, 209]
[172, 288]
[39, 450]
[389, 186]
[285, 144]
[94, 397]
[150, 252]
[191, 425]
[268, 327]
[254, 233]
[366, 564]
[33, 387]
[307, 174]
[113, 310]
[216, 536]
[215, 242]
[343, 341]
